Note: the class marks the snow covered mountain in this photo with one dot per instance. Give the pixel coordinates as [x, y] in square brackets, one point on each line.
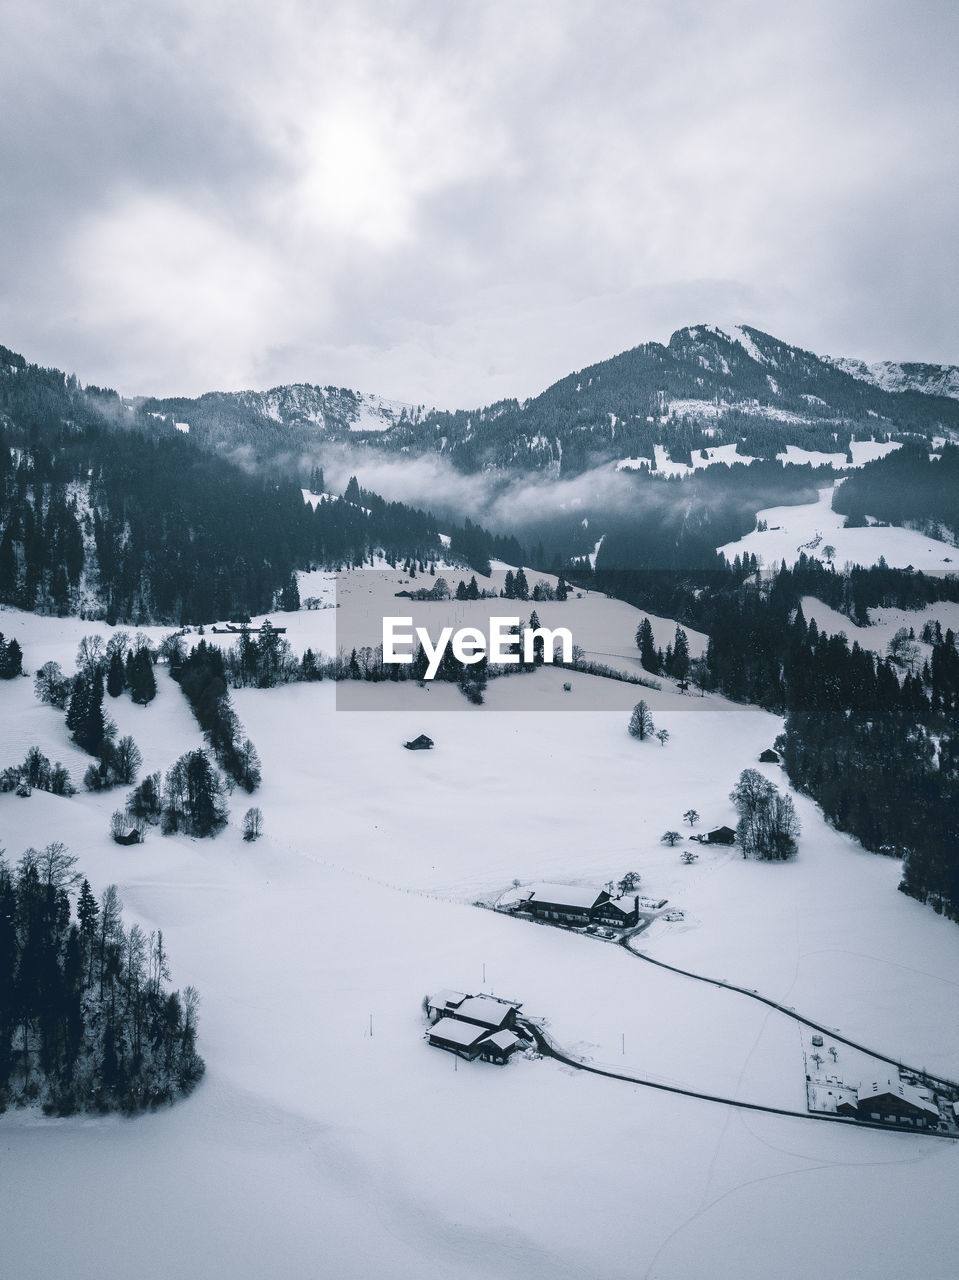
[891, 375]
[331, 409]
[706, 387]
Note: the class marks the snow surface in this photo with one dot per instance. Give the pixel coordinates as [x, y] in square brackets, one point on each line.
[739, 334]
[863, 451]
[328, 1139]
[813, 526]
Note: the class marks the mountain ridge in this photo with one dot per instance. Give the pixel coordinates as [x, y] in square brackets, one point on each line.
[706, 386]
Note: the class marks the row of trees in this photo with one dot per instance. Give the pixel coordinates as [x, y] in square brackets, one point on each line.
[87, 1019]
[37, 774]
[676, 661]
[202, 677]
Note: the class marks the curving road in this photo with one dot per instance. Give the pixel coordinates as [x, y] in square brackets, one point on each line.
[790, 1013]
[550, 1050]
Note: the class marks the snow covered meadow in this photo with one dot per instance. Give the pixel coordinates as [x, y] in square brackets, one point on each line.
[327, 1139]
[813, 526]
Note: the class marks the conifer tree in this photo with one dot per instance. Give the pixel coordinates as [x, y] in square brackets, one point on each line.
[143, 686]
[116, 675]
[647, 647]
[680, 654]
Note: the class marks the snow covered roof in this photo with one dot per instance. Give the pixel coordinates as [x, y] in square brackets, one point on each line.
[486, 1009]
[566, 895]
[626, 905]
[898, 1089]
[446, 999]
[503, 1039]
[453, 1031]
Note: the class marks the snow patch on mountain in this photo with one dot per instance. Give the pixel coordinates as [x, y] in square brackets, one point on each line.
[739, 334]
[891, 375]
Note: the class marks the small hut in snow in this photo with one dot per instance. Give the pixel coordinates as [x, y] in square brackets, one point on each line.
[721, 835]
[422, 743]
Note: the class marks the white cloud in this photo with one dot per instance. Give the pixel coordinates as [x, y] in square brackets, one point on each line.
[453, 203]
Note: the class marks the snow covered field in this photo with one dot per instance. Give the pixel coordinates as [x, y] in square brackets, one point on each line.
[814, 526]
[328, 1140]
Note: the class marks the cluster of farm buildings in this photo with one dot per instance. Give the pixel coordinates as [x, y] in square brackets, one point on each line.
[578, 906]
[888, 1100]
[474, 1026]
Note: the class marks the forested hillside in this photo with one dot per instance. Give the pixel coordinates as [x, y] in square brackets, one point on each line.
[907, 487]
[110, 512]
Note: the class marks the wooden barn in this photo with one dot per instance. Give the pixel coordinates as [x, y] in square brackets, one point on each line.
[422, 743]
[461, 1038]
[571, 904]
[488, 1012]
[443, 1003]
[128, 836]
[893, 1101]
[721, 835]
[769, 757]
[621, 913]
[500, 1046]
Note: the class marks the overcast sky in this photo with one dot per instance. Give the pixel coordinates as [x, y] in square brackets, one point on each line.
[451, 201]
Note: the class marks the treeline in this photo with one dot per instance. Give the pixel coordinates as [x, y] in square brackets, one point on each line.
[907, 487]
[202, 677]
[265, 660]
[87, 1020]
[709, 598]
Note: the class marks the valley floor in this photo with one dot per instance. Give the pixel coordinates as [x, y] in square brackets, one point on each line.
[327, 1139]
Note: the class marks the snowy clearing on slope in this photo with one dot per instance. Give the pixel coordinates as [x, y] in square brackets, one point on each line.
[813, 526]
[884, 623]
